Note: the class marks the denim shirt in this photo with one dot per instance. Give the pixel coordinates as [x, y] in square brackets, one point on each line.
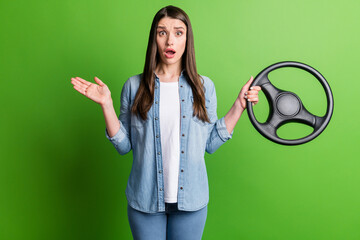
[145, 187]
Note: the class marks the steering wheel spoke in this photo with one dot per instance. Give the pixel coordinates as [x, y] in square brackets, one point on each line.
[270, 91]
[276, 120]
[304, 116]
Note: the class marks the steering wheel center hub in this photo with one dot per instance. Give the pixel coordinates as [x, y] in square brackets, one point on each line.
[288, 104]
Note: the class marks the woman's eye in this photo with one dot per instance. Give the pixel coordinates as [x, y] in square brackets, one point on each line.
[161, 33]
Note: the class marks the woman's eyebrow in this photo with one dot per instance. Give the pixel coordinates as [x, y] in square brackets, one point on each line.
[162, 27]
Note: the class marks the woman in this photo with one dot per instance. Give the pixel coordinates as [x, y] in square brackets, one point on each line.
[168, 119]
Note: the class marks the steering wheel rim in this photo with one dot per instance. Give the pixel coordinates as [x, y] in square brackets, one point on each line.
[287, 107]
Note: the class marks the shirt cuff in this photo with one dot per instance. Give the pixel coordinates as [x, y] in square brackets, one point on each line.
[222, 131]
[119, 136]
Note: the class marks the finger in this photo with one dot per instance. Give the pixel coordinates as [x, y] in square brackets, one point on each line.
[257, 88]
[252, 96]
[83, 81]
[250, 80]
[98, 81]
[252, 92]
[248, 83]
[78, 83]
[80, 90]
[253, 99]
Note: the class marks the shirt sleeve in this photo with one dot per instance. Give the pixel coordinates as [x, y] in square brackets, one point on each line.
[121, 140]
[218, 134]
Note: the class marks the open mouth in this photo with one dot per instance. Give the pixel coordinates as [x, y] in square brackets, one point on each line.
[169, 53]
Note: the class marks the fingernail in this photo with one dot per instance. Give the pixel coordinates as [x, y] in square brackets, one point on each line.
[248, 99]
[245, 96]
[246, 93]
[251, 88]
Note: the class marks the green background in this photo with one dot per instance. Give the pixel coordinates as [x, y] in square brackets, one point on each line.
[60, 178]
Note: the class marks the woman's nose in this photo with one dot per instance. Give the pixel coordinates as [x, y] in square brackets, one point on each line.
[170, 39]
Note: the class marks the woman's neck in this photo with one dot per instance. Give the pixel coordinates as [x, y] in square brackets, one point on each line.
[168, 71]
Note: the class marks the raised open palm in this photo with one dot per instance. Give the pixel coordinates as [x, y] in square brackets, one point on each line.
[98, 93]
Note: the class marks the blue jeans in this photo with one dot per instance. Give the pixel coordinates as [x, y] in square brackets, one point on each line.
[171, 224]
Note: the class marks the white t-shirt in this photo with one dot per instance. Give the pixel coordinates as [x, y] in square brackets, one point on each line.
[170, 137]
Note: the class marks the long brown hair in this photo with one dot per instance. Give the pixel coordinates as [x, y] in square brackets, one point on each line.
[145, 95]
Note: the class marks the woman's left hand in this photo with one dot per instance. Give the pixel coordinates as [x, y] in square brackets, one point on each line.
[247, 94]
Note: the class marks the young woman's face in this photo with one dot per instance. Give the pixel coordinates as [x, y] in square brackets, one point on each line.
[171, 40]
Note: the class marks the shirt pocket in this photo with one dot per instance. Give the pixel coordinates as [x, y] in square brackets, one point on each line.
[138, 122]
[195, 118]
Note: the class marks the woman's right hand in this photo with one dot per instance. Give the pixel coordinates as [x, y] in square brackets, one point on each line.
[98, 93]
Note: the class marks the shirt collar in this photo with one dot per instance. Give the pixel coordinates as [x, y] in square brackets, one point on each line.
[181, 74]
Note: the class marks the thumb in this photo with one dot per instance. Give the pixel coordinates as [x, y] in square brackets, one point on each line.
[248, 83]
[98, 81]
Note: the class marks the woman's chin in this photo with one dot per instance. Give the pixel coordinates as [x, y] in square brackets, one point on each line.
[169, 61]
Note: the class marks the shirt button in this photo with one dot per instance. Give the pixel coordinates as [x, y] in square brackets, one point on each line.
[182, 170]
[182, 151]
[156, 102]
[181, 85]
[158, 153]
[183, 135]
[181, 188]
[156, 118]
[157, 136]
[160, 171]
[183, 116]
[160, 189]
[155, 86]
[183, 100]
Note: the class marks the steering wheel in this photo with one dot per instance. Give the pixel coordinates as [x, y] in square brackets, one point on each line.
[287, 107]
